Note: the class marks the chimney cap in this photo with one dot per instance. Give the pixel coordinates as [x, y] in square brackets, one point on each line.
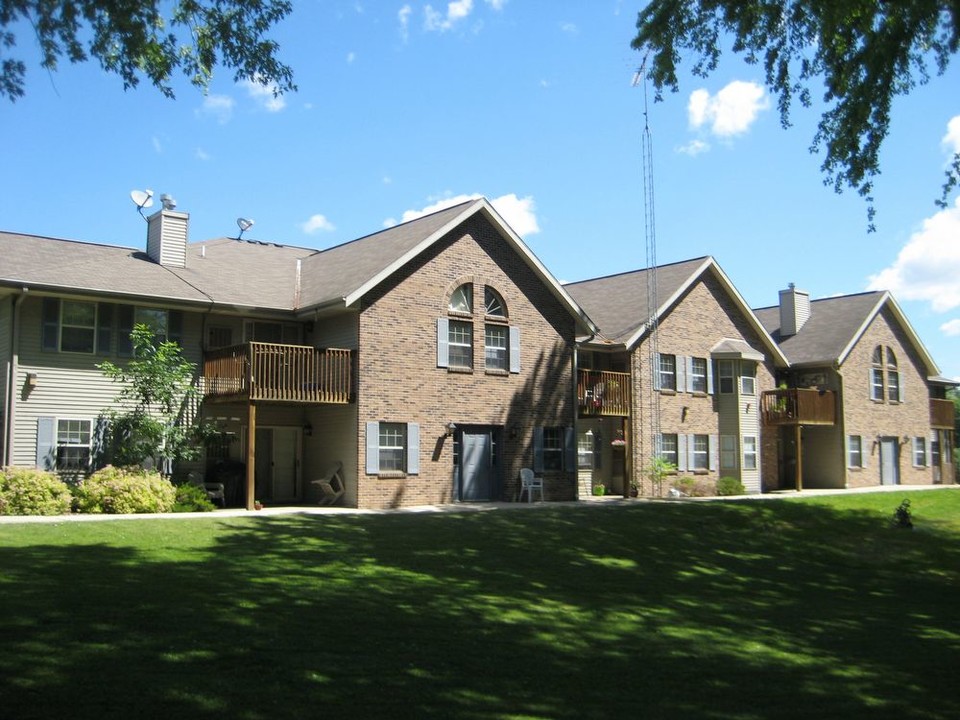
[168, 202]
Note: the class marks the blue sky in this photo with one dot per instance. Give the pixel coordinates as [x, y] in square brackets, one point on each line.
[403, 106]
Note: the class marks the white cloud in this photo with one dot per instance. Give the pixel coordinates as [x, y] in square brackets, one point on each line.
[351, 56]
[731, 111]
[219, 107]
[569, 28]
[519, 213]
[951, 141]
[317, 223]
[202, 154]
[928, 266]
[694, 148]
[456, 11]
[951, 328]
[265, 95]
[157, 146]
[496, 4]
[404, 17]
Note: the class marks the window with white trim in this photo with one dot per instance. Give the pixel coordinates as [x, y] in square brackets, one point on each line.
[461, 299]
[725, 374]
[749, 452]
[698, 375]
[73, 445]
[701, 452]
[496, 347]
[893, 378]
[585, 451]
[553, 448]
[854, 451]
[748, 378]
[668, 448]
[728, 452]
[668, 372]
[493, 304]
[919, 452]
[393, 448]
[460, 343]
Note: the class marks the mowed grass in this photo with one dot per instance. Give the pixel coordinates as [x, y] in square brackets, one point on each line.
[799, 608]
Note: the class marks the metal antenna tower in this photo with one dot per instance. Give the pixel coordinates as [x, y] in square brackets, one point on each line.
[650, 438]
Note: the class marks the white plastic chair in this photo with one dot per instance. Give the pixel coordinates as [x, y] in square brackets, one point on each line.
[529, 483]
[330, 485]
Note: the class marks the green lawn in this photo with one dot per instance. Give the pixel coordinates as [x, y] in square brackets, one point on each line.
[797, 608]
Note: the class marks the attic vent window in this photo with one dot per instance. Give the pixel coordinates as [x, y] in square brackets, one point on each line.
[461, 300]
[493, 303]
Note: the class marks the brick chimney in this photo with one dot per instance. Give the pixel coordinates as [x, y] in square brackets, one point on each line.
[167, 234]
[794, 310]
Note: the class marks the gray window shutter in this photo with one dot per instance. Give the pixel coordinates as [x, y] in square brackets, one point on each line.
[658, 445]
[930, 441]
[901, 395]
[569, 449]
[538, 449]
[709, 376]
[684, 373]
[656, 372]
[691, 452]
[124, 328]
[373, 448]
[104, 328]
[47, 443]
[175, 327]
[682, 463]
[514, 349]
[443, 342]
[597, 450]
[413, 448]
[713, 452]
[864, 451]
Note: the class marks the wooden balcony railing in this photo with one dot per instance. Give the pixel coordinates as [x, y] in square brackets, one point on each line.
[278, 373]
[941, 414]
[799, 406]
[603, 393]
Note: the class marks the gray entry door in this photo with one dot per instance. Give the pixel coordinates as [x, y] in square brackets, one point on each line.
[476, 476]
[889, 461]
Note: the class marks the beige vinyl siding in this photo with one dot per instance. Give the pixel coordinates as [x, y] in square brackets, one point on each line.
[338, 331]
[69, 385]
[335, 437]
[749, 418]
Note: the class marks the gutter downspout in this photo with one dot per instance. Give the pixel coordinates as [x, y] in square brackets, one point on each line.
[10, 396]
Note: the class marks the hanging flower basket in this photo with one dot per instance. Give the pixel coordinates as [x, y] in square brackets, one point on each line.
[618, 443]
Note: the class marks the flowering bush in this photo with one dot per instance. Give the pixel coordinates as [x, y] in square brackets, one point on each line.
[122, 491]
[27, 491]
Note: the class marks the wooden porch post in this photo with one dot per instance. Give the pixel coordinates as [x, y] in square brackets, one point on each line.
[799, 458]
[251, 453]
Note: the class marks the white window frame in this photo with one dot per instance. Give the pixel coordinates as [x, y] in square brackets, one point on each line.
[64, 325]
[667, 375]
[669, 448]
[585, 451]
[725, 377]
[71, 434]
[700, 452]
[408, 435]
[854, 451]
[919, 452]
[496, 347]
[728, 452]
[460, 336]
[748, 378]
[750, 452]
[698, 380]
[553, 448]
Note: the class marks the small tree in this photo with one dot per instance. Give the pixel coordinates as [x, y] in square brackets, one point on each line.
[655, 471]
[156, 384]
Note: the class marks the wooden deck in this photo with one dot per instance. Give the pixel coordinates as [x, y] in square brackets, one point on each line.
[603, 394]
[799, 406]
[271, 372]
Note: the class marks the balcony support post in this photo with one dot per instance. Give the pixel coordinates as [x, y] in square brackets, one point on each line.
[799, 436]
[251, 453]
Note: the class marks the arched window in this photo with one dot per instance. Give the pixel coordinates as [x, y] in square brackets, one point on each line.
[876, 375]
[893, 377]
[493, 304]
[461, 299]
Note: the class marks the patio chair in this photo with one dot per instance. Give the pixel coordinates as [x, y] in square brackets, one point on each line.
[214, 490]
[529, 483]
[330, 484]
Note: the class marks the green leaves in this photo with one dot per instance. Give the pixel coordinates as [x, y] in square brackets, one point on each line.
[152, 40]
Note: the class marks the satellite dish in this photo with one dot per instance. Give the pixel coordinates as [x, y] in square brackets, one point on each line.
[244, 224]
[142, 199]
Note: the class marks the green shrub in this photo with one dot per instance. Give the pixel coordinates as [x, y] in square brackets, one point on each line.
[695, 487]
[599, 490]
[192, 498]
[730, 486]
[28, 491]
[122, 491]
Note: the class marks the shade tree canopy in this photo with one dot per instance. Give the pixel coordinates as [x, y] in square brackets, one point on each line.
[864, 53]
[144, 40]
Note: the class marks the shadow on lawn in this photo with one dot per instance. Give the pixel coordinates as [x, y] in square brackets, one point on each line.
[782, 610]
